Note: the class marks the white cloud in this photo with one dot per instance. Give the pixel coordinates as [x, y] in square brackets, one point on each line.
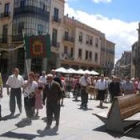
[99, 1]
[123, 34]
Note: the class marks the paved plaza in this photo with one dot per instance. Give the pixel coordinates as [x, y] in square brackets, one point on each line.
[75, 124]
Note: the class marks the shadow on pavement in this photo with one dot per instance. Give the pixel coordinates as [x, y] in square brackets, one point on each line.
[23, 123]
[85, 109]
[7, 117]
[133, 133]
[49, 132]
[19, 135]
[76, 100]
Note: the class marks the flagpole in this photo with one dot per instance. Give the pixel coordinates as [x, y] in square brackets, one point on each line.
[27, 61]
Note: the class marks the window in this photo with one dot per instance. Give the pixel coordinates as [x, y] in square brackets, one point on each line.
[42, 6]
[71, 52]
[81, 37]
[5, 32]
[97, 42]
[65, 50]
[90, 55]
[6, 8]
[22, 3]
[54, 37]
[80, 53]
[56, 12]
[90, 42]
[87, 39]
[20, 27]
[96, 57]
[86, 55]
[40, 29]
[66, 35]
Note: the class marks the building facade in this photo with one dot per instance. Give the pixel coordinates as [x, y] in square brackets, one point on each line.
[123, 67]
[6, 18]
[107, 57]
[19, 18]
[73, 44]
[81, 45]
[56, 32]
[136, 56]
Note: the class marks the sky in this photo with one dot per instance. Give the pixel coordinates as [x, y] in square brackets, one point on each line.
[117, 19]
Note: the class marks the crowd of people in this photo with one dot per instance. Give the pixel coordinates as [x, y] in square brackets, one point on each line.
[50, 89]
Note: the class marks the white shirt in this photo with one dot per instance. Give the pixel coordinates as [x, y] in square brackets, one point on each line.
[30, 88]
[15, 82]
[84, 82]
[43, 79]
[102, 85]
[95, 83]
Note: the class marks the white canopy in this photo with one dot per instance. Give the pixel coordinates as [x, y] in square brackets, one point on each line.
[80, 71]
[87, 71]
[61, 69]
[71, 70]
[94, 72]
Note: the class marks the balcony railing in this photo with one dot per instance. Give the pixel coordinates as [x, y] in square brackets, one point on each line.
[55, 44]
[17, 38]
[69, 39]
[56, 19]
[32, 11]
[5, 14]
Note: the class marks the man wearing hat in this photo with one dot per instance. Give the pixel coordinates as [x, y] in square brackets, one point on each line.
[53, 93]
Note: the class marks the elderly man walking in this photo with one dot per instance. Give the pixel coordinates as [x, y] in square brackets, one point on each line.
[84, 82]
[15, 81]
[53, 93]
[101, 87]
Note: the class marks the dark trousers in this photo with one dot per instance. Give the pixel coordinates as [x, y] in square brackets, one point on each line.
[29, 104]
[84, 97]
[53, 108]
[15, 95]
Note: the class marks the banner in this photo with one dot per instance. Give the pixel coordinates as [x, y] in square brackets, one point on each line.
[37, 46]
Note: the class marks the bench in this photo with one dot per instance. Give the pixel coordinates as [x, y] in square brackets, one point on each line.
[123, 114]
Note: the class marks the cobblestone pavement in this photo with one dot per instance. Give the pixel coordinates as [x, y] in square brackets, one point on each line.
[75, 124]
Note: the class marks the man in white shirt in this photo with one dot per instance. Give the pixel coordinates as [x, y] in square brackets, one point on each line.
[84, 82]
[15, 81]
[101, 87]
[43, 77]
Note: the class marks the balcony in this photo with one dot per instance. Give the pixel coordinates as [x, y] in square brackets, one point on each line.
[55, 44]
[56, 19]
[31, 11]
[5, 14]
[65, 56]
[3, 39]
[16, 38]
[69, 39]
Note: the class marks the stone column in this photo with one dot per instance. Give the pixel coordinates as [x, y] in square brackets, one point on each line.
[27, 66]
[45, 64]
